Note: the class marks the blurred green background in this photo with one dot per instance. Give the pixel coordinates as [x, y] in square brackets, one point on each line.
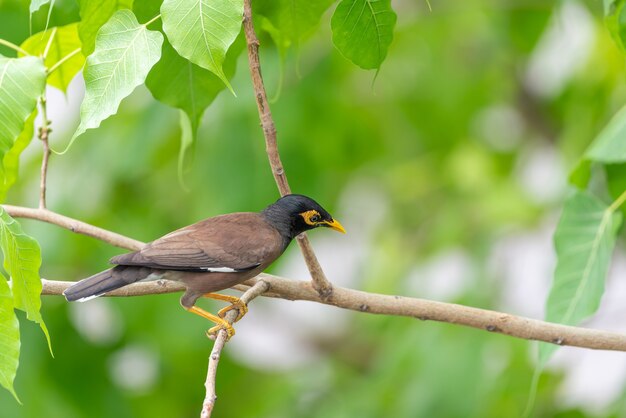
[448, 169]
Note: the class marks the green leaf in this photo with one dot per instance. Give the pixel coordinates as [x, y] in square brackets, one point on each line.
[296, 20]
[146, 10]
[584, 241]
[363, 31]
[36, 5]
[64, 43]
[187, 136]
[22, 259]
[9, 338]
[614, 22]
[581, 174]
[125, 53]
[282, 40]
[94, 14]
[203, 30]
[609, 146]
[22, 81]
[177, 82]
[10, 163]
[282, 43]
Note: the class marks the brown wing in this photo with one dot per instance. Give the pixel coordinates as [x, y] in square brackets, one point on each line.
[233, 242]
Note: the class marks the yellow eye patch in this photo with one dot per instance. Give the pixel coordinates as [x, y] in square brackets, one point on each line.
[311, 217]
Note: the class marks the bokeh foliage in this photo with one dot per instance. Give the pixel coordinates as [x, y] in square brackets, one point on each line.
[433, 135]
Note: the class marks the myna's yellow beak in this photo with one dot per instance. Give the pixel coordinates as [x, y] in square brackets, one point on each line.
[335, 225]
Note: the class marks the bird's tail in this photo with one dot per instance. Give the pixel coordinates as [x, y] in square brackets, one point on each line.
[101, 283]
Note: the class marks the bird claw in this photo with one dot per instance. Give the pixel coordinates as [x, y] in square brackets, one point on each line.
[212, 333]
[241, 307]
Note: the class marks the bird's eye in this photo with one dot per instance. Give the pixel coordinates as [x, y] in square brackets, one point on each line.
[315, 218]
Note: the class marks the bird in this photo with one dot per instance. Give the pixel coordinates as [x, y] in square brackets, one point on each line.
[212, 255]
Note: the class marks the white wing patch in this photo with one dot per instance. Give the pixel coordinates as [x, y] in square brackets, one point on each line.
[219, 269]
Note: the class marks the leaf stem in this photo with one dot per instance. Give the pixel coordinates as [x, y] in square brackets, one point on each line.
[155, 18]
[618, 202]
[13, 47]
[49, 44]
[63, 60]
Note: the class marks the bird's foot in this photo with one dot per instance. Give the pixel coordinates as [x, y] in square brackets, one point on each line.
[212, 333]
[221, 322]
[235, 303]
[241, 307]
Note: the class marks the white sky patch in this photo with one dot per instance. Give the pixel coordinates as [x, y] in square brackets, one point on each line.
[97, 321]
[561, 51]
[134, 368]
[524, 261]
[444, 277]
[541, 173]
[499, 126]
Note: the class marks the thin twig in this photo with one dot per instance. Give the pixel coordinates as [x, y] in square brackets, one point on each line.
[44, 133]
[486, 320]
[320, 282]
[63, 61]
[74, 225]
[258, 289]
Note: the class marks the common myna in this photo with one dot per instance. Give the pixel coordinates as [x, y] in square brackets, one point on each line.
[213, 254]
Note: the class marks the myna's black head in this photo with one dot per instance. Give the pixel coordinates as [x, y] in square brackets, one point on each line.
[294, 213]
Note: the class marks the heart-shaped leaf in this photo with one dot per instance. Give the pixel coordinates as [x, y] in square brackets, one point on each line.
[203, 30]
[125, 53]
[363, 30]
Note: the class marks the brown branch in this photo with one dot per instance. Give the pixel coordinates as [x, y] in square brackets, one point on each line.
[73, 225]
[422, 309]
[486, 320]
[257, 289]
[44, 133]
[320, 282]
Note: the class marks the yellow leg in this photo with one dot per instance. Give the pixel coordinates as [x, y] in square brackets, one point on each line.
[221, 322]
[236, 303]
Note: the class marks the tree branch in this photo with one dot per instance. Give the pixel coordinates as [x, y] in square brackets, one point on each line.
[44, 132]
[73, 225]
[279, 287]
[257, 289]
[320, 282]
[422, 309]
